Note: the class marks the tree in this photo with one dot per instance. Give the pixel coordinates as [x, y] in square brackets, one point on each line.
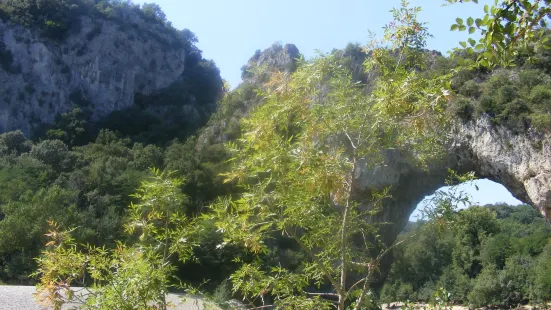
[52, 152]
[542, 282]
[504, 27]
[14, 142]
[486, 289]
[70, 127]
[298, 159]
[128, 276]
[154, 11]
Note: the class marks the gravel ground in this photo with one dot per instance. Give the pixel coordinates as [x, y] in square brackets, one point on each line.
[21, 298]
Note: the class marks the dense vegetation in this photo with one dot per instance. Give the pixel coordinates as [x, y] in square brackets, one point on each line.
[518, 98]
[496, 255]
[295, 143]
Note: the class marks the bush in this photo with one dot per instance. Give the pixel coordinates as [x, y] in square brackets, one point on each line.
[531, 77]
[223, 293]
[541, 122]
[495, 250]
[463, 108]
[515, 280]
[470, 89]
[14, 143]
[457, 283]
[52, 152]
[542, 280]
[486, 289]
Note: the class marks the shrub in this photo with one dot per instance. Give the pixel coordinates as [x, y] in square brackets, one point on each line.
[541, 122]
[542, 281]
[531, 77]
[470, 89]
[541, 96]
[52, 152]
[463, 108]
[486, 289]
[14, 142]
[515, 280]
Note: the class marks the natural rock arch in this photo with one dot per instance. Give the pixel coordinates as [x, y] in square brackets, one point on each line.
[520, 162]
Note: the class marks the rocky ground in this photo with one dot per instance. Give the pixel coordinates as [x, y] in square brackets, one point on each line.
[21, 298]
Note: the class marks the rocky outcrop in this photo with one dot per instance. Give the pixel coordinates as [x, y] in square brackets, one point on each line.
[520, 162]
[100, 67]
[275, 58]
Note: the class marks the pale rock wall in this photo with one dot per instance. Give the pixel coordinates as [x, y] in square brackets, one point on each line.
[101, 66]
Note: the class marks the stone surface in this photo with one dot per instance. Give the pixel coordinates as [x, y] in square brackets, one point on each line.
[101, 67]
[275, 58]
[521, 163]
[21, 298]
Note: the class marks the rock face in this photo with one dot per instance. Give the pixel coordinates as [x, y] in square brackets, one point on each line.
[276, 57]
[521, 163]
[101, 67]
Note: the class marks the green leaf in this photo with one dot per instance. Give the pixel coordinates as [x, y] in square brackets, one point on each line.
[462, 28]
[463, 43]
[484, 63]
[454, 27]
[472, 42]
[472, 30]
[486, 9]
[459, 21]
[470, 21]
[478, 22]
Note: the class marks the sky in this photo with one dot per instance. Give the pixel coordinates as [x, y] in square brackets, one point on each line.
[488, 192]
[229, 32]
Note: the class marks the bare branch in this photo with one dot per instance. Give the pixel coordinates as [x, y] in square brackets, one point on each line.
[323, 294]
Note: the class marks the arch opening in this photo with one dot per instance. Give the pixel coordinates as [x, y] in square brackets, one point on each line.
[481, 192]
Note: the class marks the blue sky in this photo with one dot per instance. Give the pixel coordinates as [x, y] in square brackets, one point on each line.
[230, 32]
[488, 192]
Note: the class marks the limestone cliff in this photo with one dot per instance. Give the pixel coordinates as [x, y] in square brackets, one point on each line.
[520, 162]
[100, 66]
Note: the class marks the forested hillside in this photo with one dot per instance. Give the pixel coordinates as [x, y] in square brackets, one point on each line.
[280, 191]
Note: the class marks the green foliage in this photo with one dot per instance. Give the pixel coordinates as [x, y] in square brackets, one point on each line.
[504, 27]
[86, 186]
[486, 288]
[297, 158]
[514, 98]
[14, 143]
[127, 277]
[490, 258]
[542, 281]
[290, 230]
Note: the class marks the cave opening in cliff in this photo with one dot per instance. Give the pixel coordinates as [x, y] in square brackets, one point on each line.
[481, 192]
